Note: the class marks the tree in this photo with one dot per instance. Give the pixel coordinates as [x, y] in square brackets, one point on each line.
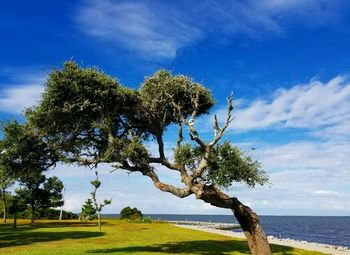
[18, 204]
[88, 211]
[90, 118]
[39, 192]
[25, 157]
[6, 181]
[98, 206]
[130, 213]
[6, 198]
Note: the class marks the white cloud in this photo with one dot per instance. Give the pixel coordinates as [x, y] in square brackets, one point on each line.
[312, 106]
[15, 99]
[23, 90]
[150, 32]
[157, 30]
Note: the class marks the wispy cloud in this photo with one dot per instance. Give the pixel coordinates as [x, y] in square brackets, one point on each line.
[151, 32]
[155, 30]
[22, 90]
[323, 108]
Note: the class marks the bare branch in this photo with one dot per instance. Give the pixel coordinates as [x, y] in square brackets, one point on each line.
[219, 132]
[179, 192]
[180, 137]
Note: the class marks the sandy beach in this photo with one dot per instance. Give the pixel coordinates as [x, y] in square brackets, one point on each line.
[328, 249]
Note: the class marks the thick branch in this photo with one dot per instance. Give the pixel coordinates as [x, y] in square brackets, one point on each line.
[179, 192]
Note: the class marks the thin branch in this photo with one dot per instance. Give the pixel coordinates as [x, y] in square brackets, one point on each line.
[219, 132]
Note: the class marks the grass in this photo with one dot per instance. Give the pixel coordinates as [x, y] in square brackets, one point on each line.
[119, 237]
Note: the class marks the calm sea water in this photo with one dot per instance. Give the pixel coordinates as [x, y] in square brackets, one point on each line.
[319, 229]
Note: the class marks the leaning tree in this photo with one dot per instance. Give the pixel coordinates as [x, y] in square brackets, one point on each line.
[89, 118]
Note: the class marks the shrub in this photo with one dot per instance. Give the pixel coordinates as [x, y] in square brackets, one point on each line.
[130, 213]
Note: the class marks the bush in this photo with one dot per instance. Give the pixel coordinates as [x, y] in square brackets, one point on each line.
[131, 213]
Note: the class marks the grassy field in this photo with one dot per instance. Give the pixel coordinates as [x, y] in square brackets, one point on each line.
[118, 237]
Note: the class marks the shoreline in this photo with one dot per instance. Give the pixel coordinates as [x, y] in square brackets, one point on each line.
[325, 248]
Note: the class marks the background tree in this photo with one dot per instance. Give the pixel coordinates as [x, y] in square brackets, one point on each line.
[88, 211]
[24, 158]
[5, 182]
[39, 192]
[131, 213]
[18, 204]
[89, 118]
[98, 206]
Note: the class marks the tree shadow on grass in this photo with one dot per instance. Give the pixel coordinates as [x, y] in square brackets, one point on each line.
[53, 224]
[204, 247]
[26, 237]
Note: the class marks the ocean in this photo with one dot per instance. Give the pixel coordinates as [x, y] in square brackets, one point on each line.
[331, 230]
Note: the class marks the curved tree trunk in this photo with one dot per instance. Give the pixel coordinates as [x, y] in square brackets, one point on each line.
[253, 231]
[248, 219]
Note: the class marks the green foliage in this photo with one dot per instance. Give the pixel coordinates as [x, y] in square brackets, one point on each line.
[188, 156]
[88, 211]
[53, 214]
[40, 192]
[229, 164]
[131, 213]
[136, 152]
[165, 97]
[23, 154]
[81, 108]
[89, 117]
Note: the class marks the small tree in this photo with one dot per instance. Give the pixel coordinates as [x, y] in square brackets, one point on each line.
[18, 204]
[5, 183]
[40, 192]
[6, 180]
[88, 211]
[25, 157]
[130, 213]
[96, 184]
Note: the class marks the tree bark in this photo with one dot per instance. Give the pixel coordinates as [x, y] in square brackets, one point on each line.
[4, 205]
[15, 220]
[253, 231]
[33, 215]
[249, 221]
[99, 220]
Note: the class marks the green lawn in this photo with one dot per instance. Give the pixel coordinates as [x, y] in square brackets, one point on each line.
[118, 237]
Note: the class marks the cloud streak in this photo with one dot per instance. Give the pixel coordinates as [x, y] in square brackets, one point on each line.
[321, 107]
[158, 31]
[23, 90]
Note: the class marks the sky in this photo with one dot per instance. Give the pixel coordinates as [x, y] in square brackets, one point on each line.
[286, 61]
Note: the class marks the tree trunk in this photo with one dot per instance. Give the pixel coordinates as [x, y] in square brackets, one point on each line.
[4, 205]
[14, 220]
[253, 231]
[99, 220]
[33, 215]
[248, 219]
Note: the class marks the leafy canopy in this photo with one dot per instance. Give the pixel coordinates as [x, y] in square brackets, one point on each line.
[23, 153]
[88, 117]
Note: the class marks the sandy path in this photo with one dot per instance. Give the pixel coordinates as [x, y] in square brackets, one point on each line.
[328, 249]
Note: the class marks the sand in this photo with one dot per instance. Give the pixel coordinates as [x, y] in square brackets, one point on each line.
[328, 249]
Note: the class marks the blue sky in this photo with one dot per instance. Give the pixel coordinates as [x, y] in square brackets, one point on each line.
[286, 61]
